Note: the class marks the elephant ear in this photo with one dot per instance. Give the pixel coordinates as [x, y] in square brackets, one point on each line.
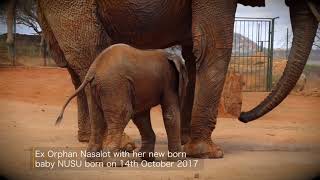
[183, 76]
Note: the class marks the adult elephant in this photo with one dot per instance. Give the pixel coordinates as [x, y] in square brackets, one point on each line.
[78, 30]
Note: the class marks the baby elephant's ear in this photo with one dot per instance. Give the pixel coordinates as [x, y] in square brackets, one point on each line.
[183, 76]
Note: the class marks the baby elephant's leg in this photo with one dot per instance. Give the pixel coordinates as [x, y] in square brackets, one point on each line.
[115, 128]
[116, 116]
[148, 138]
[171, 117]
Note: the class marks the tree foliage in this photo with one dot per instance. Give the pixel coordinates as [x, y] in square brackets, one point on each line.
[25, 13]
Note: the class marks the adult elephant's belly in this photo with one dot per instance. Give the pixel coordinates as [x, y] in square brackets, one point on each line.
[147, 23]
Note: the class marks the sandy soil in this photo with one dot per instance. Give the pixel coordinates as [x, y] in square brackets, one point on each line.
[285, 144]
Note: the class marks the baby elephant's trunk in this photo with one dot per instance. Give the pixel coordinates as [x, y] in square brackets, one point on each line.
[89, 77]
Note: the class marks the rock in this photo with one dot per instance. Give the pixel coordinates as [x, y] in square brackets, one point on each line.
[315, 92]
[196, 175]
[301, 83]
[231, 98]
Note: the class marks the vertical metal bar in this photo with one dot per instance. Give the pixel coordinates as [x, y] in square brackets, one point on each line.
[258, 66]
[287, 47]
[234, 44]
[265, 57]
[248, 50]
[256, 54]
[252, 41]
[245, 54]
[235, 49]
[238, 54]
[271, 56]
[238, 64]
[261, 54]
[258, 38]
[236, 68]
[14, 39]
[242, 55]
[268, 56]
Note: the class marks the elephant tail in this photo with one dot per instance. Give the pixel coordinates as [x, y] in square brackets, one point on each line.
[89, 77]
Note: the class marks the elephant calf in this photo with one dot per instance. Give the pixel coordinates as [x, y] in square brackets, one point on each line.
[125, 84]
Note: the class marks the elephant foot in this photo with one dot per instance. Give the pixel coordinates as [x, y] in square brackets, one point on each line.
[93, 149]
[146, 149]
[83, 136]
[127, 144]
[185, 135]
[185, 138]
[203, 149]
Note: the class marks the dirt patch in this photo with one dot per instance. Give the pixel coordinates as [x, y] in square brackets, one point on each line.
[37, 85]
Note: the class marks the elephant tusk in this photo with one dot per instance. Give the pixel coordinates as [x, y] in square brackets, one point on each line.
[314, 10]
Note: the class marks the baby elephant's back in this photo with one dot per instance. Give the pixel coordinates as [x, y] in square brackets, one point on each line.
[146, 72]
[122, 58]
[150, 77]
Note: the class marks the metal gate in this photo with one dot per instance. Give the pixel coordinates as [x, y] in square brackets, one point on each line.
[252, 52]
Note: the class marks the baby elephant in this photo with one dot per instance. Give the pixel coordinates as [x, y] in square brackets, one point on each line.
[125, 84]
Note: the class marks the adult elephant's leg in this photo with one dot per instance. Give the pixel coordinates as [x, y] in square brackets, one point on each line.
[74, 30]
[83, 112]
[186, 110]
[98, 125]
[212, 29]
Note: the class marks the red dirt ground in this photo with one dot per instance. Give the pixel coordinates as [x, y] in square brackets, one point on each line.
[285, 144]
[35, 85]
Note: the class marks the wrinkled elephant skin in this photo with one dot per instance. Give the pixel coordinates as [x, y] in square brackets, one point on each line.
[77, 32]
[125, 84]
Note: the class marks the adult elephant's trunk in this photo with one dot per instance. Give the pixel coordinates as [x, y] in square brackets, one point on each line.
[304, 26]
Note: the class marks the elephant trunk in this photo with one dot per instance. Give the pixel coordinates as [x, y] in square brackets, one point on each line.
[304, 26]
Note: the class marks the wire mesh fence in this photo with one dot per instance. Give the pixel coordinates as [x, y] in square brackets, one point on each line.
[252, 52]
[26, 49]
